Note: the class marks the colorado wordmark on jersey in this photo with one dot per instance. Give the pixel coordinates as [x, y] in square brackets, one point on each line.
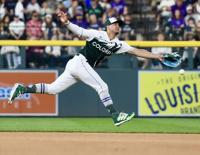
[98, 44]
[97, 48]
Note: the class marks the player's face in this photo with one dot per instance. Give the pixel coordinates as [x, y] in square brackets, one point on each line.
[115, 28]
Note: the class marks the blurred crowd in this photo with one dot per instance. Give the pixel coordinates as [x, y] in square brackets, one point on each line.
[37, 20]
[179, 20]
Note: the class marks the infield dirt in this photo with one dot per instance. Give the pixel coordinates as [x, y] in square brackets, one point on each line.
[27, 143]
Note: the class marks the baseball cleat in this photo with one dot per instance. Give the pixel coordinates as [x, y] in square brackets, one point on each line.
[120, 118]
[16, 91]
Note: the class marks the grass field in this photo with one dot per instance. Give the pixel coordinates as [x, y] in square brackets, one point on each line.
[137, 125]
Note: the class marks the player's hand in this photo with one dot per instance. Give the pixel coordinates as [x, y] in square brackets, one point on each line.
[160, 57]
[62, 16]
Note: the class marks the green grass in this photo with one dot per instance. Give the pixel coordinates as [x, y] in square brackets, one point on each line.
[137, 125]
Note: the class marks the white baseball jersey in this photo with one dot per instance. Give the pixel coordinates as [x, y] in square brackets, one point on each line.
[98, 45]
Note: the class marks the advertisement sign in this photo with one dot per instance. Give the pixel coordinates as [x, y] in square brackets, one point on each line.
[27, 104]
[168, 93]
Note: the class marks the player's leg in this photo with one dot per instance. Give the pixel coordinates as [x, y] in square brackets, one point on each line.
[89, 76]
[64, 81]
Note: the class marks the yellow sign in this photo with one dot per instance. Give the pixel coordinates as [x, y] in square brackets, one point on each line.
[168, 93]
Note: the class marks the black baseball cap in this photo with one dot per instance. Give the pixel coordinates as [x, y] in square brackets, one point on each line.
[113, 20]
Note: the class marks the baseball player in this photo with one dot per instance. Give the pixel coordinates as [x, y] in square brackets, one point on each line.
[98, 45]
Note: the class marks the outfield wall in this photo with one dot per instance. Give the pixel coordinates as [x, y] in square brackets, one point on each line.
[78, 100]
[147, 93]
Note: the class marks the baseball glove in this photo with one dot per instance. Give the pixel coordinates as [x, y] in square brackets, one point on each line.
[171, 60]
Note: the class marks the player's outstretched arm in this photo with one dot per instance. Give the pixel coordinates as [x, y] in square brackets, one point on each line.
[81, 32]
[146, 54]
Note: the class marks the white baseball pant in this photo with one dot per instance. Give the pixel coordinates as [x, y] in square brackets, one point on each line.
[76, 69]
